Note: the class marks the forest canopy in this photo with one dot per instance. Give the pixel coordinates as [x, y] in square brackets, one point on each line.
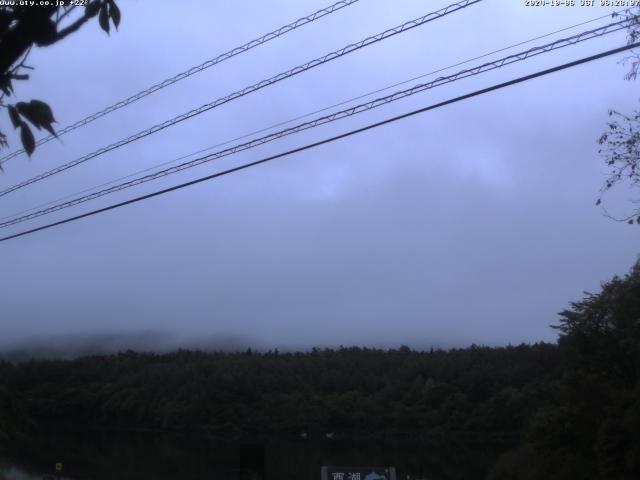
[566, 410]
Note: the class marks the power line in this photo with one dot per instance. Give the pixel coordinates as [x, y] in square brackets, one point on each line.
[192, 71]
[508, 60]
[334, 138]
[247, 90]
[333, 117]
[299, 117]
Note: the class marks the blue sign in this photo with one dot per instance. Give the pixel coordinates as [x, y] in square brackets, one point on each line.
[357, 473]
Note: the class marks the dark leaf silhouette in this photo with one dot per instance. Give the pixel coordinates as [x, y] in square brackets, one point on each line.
[43, 114]
[5, 85]
[114, 12]
[38, 113]
[103, 19]
[42, 111]
[27, 112]
[92, 9]
[26, 136]
[14, 116]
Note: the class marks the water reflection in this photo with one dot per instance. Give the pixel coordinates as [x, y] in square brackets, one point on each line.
[141, 456]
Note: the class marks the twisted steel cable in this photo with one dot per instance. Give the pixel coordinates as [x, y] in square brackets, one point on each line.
[305, 115]
[192, 71]
[350, 133]
[250, 89]
[363, 107]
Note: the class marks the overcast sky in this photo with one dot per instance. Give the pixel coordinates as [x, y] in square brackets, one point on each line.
[471, 223]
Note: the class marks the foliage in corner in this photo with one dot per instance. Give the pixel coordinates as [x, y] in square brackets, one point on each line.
[620, 142]
[21, 28]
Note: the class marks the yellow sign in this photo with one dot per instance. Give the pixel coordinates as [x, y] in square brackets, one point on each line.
[58, 467]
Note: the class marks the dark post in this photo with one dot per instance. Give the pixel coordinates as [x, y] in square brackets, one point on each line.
[251, 462]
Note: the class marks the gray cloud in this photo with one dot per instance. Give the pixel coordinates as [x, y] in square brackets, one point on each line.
[473, 223]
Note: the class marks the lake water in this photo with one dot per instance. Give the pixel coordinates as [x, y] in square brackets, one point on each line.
[142, 456]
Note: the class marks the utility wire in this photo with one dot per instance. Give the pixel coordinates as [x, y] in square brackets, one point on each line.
[299, 117]
[580, 37]
[247, 90]
[308, 114]
[192, 71]
[334, 138]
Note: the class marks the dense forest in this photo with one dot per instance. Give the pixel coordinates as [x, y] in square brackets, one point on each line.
[565, 410]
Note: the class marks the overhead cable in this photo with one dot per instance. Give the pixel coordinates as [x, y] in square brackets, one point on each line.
[192, 71]
[299, 117]
[517, 57]
[331, 139]
[250, 89]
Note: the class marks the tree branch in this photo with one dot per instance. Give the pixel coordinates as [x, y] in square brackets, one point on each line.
[66, 12]
[90, 12]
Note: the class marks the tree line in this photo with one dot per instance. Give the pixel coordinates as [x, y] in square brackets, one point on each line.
[565, 410]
